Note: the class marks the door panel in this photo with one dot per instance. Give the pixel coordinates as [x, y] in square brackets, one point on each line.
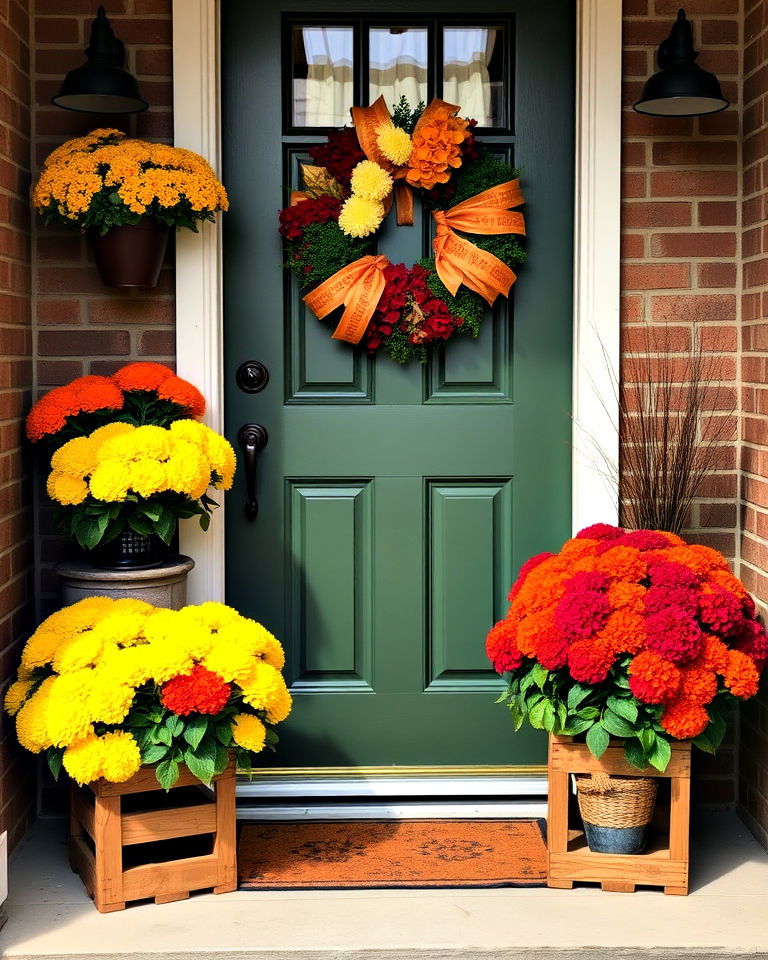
[396, 503]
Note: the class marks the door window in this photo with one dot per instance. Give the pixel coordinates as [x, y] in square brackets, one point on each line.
[336, 65]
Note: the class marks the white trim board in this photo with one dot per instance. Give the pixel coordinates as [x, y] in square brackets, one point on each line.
[268, 788]
[435, 810]
[199, 326]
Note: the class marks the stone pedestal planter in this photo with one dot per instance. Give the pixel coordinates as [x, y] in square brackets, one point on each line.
[164, 585]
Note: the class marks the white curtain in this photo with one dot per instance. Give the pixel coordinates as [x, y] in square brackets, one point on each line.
[324, 99]
[465, 75]
[398, 67]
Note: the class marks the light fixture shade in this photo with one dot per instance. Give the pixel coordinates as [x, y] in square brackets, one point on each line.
[101, 85]
[680, 88]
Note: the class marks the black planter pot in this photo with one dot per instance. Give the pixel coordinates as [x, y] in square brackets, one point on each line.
[129, 550]
[132, 255]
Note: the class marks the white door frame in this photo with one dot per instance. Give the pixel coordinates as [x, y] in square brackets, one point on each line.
[199, 314]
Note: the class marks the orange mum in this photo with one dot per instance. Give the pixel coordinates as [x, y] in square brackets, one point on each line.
[83, 395]
[436, 149]
[683, 719]
[142, 376]
[741, 675]
[699, 684]
[653, 679]
[184, 394]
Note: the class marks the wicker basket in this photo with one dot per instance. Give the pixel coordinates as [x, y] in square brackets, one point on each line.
[608, 801]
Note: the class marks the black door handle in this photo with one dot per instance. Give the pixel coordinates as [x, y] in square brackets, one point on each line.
[252, 437]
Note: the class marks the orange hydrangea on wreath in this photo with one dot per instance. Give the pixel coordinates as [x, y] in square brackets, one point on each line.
[331, 227]
[630, 634]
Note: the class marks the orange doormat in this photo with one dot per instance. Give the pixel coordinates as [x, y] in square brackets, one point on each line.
[385, 853]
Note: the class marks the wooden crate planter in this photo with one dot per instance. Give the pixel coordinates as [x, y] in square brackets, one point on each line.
[664, 863]
[103, 835]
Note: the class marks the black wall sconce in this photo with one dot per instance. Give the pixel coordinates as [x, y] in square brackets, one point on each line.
[680, 88]
[101, 85]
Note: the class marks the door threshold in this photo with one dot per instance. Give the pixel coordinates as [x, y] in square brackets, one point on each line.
[396, 810]
[265, 786]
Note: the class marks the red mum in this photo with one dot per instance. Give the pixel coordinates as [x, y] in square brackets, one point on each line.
[201, 691]
[674, 634]
[600, 531]
[720, 610]
[752, 640]
[589, 661]
[667, 573]
[658, 598]
[501, 647]
[644, 540]
[584, 607]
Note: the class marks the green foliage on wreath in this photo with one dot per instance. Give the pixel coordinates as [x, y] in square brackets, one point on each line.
[551, 701]
[405, 116]
[322, 250]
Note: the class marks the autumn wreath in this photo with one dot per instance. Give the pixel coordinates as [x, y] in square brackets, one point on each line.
[330, 228]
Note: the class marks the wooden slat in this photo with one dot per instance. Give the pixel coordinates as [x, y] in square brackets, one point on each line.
[575, 758]
[148, 825]
[224, 848]
[679, 821]
[108, 888]
[598, 867]
[158, 879]
[82, 861]
[143, 781]
[82, 811]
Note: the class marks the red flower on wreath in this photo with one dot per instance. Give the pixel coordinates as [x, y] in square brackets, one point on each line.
[293, 220]
[340, 155]
[201, 691]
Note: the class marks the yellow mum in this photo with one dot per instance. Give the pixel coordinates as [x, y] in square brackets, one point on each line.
[360, 217]
[120, 756]
[370, 181]
[32, 721]
[76, 458]
[66, 489]
[395, 143]
[249, 732]
[16, 695]
[109, 482]
[83, 760]
[264, 689]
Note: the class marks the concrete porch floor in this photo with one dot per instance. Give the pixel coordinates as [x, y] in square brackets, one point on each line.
[726, 915]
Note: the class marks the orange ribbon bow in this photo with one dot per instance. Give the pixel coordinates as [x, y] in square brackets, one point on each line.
[458, 261]
[358, 287]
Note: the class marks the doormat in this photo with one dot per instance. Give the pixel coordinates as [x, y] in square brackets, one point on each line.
[347, 854]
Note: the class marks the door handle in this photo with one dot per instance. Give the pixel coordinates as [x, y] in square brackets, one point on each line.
[252, 437]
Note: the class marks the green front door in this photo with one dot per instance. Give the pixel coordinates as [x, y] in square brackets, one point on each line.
[395, 503]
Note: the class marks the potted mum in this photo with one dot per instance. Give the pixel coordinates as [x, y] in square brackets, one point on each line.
[126, 195]
[127, 461]
[128, 698]
[631, 635]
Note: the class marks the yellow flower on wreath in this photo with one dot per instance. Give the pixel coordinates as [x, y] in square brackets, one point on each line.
[370, 181]
[360, 217]
[395, 143]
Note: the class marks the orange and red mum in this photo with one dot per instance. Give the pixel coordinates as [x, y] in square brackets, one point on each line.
[107, 395]
[201, 691]
[675, 609]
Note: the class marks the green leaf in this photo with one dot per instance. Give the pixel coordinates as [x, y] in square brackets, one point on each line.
[205, 521]
[166, 526]
[548, 717]
[575, 726]
[540, 675]
[167, 773]
[588, 713]
[153, 511]
[536, 714]
[174, 724]
[660, 755]
[202, 760]
[597, 740]
[624, 708]
[617, 725]
[153, 752]
[223, 732]
[634, 753]
[222, 759]
[577, 694]
[161, 734]
[526, 681]
[54, 756]
[647, 738]
[195, 729]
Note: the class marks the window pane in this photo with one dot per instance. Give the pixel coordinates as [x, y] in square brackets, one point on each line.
[398, 64]
[473, 73]
[323, 62]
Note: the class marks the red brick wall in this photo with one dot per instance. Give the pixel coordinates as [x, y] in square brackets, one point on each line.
[80, 325]
[680, 253]
[16, 781]
[753, 778]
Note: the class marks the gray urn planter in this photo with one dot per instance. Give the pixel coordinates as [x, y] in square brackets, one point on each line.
[164, 585]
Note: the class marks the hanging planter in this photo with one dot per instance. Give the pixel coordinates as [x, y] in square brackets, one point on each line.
[127, 195]
[616, 811]
[131, 255]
